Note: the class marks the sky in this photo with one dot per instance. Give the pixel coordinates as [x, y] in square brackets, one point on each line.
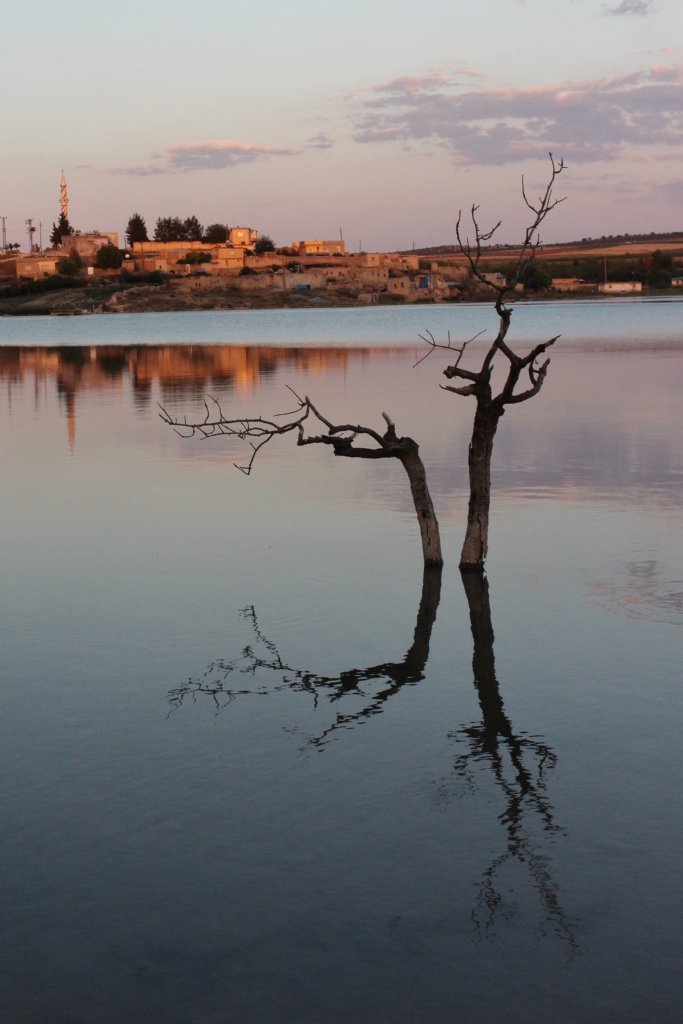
[379, 118]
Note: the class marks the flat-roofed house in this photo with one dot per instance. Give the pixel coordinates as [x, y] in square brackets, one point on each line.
[566, 284]
[319, 247]
[620, 287]
[245, 237]
[86, 243]
[38, 264]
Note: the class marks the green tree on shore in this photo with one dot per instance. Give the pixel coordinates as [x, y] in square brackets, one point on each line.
[217, 234]
[61, 228]
[264, 243]
[136, 230]
[193, 229]
[109, 257]
[173, 229]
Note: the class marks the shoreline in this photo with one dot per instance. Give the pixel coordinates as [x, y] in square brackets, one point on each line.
[113, 299]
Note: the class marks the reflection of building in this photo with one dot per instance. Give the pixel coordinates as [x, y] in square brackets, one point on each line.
[174, 369]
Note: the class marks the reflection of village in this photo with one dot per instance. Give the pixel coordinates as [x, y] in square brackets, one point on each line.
[178, 370]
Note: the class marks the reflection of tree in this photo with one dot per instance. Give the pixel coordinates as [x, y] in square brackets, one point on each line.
[519, 764]
[221, 679]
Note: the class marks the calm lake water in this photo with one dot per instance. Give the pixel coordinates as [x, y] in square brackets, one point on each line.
[252, 769]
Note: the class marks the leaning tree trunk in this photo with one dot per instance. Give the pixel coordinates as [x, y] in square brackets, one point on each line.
[479, 460]
[429, 526]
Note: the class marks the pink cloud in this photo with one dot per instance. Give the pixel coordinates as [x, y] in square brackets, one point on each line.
[583, 121]
[213, 154]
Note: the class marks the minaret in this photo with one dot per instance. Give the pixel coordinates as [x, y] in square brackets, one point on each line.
[63, 198]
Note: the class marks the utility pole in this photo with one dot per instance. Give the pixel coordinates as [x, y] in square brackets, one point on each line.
[4, 234]
[40, 244]
[605, 268]
[30, 230]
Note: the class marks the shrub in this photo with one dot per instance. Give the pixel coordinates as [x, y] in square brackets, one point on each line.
[67, 267]
[109, 257]
[45, 284]
[657, 277]
[246, 270]
[536, 279]
[195, 256]
[264, 243]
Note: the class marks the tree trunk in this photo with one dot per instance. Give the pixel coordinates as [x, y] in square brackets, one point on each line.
[429, 527]
[477, 536]
[483, 662]
[417, 656]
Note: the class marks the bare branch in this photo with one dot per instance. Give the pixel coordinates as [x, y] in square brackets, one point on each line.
[449, 347]
[546, 203]
[468, 390]
[537, 377]
[532, 240]
[536, 352]
[466, 249]
[340, 437]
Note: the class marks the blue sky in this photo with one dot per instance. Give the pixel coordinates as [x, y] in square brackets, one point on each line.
[381, 117]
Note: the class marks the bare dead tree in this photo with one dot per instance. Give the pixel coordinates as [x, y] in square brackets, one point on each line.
[340, 437]
[519, 764]
[224, 681]
[490, 408]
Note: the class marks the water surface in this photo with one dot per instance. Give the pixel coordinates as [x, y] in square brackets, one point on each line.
[256, 768]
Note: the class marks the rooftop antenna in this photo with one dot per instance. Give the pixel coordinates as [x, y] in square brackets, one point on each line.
[30, 231]
[4, 234]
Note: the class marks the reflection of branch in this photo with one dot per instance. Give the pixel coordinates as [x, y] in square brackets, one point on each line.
[519, 764]
[218, 679]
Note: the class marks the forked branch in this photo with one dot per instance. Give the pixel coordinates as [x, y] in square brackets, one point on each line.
[532, 239]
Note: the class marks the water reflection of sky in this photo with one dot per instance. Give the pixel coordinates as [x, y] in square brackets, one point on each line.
[617, 322]
[476, 833]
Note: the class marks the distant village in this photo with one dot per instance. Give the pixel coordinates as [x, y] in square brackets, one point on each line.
[193, 261]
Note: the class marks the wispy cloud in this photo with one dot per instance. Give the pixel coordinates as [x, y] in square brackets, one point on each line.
[407, 85]
[599, 119]
[658, 49]
[641, 7]
[214, 154]
[670, 191]
[321, 141]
